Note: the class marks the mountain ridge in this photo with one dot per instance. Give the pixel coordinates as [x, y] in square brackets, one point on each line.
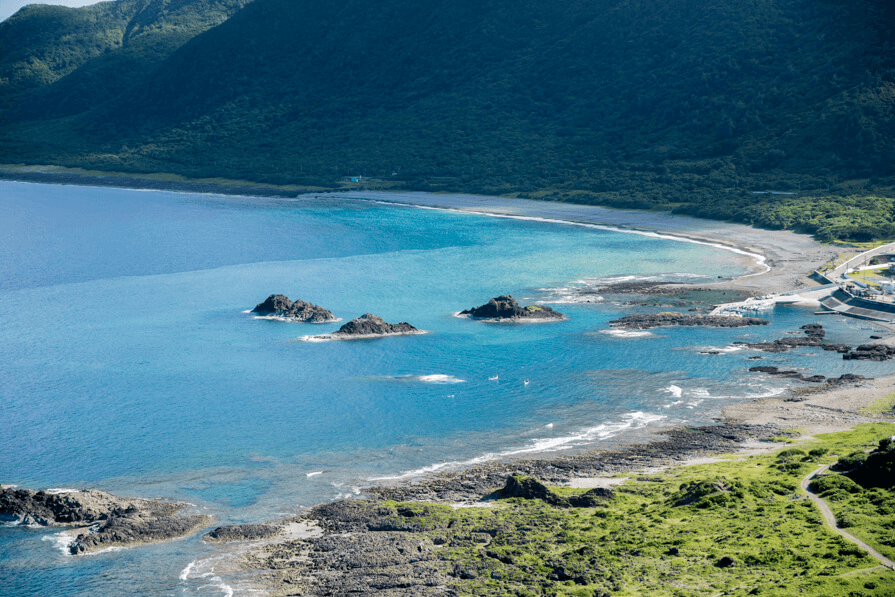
[686, 104]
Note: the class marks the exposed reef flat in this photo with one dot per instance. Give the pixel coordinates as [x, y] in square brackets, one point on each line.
[101, 520]
[505, 308]
[645, 321]
[814, 334]
[278, 305]
[242, 532]
[367, 326]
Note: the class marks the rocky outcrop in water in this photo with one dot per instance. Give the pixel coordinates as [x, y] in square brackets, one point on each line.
[870, 352]
[814, 334]
[278, 305]
[506, 307]
[105, 520]
[373, 325]
[242, 532]
[645, 321]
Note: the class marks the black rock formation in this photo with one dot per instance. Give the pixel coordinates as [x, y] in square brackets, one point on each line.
[372, 325]
[106, 520]
[506, 307]
[280, 306]
[645, 321]
[242, 532]
[529, 488]
[870, 352]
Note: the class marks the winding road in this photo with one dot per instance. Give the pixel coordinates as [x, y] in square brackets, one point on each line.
[831, 520]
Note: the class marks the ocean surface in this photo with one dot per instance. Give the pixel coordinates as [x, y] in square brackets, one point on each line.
[130, 362]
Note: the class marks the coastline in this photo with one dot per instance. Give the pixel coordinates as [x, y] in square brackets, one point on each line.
[780, 259]
[746, 425]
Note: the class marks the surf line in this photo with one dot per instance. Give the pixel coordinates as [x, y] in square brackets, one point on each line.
[758, 258]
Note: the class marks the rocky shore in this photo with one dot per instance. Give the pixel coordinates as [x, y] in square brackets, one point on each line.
[372, 546]
[278, 305]
[814, 334]
[505, 308]
[646, 321]
[101, 520]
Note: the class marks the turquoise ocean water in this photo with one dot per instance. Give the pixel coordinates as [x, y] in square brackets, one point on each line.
[129, 362]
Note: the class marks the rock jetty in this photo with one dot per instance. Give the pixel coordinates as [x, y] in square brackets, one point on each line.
[278, 305]
[103, 520]
[645, 321]
[506, 307]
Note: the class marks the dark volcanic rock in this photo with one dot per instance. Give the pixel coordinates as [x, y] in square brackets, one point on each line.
[646, 321]
[871, 352]
[372, 325]
[112, 520]
[791, 374]
[280, 306]
[506, 307]
[726, 562]
[242, 532]
[522, 486]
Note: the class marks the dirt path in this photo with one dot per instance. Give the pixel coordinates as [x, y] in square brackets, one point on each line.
[831, 520]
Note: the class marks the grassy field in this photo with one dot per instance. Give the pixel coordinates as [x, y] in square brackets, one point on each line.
[741, 526]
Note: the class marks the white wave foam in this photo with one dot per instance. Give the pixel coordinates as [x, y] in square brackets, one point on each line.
[292, 319]
[315, 473]
[635, 420]
[185, 573]
[721, 349]
[59, 490]
[334, 336]
[61, 541]
[674, 390]
[627, 333]
[670, 404]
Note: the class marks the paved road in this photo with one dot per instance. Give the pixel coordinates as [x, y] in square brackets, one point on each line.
[831, 520]
[860, 259]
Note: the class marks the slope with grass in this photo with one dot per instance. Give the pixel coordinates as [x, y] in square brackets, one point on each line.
[737, 527]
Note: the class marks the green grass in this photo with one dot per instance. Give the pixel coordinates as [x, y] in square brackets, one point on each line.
[641, 542]
[882, 406]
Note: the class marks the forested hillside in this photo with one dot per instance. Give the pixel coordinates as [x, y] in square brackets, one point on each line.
[92, 54]
[689, 105]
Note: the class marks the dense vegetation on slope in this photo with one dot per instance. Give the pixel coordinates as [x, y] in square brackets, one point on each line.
[688, 105]
[92, 54]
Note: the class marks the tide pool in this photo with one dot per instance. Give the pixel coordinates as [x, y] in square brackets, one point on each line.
[129, 362]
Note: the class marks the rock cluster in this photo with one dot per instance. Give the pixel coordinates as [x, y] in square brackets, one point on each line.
[814, 334]
[372, 325]
[106, 520]
[506, 307]
[645, 321]
[277, 305]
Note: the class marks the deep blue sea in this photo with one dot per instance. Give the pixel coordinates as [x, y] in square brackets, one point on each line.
[129, 363]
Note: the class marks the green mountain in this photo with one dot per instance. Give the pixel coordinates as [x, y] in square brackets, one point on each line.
[673, 104]
[56, 61]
